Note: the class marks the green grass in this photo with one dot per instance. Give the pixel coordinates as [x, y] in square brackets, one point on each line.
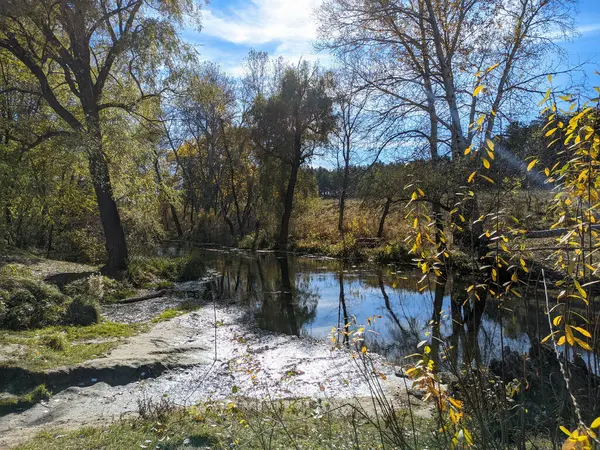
[168, 314]
[56, 346]
[271, 425]
[34, 396]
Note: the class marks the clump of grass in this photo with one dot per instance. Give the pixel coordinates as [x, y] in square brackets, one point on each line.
[27, 303]
[34, 396]
[83, 311]
[101, 289]
[295, 424]
[56, 341]
[164, 285]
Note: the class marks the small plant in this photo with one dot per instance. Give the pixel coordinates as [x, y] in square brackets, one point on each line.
[56, 341]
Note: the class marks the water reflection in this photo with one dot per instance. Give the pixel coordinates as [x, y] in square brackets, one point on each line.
[306, 296]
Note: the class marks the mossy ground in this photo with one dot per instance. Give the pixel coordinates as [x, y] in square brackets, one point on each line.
[38, 349]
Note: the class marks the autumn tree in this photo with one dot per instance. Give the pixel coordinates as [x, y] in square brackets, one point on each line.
[88, 57]
[450, 72]
[291, 125]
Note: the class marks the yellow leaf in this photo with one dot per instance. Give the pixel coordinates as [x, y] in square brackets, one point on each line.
[580, 289]
[564, 430]
[583, 331]
[561, 341]
[486, 163]
[584, 345]
[470, 179]
[550, 78]
[570, 337]
[478, 90]
[595, 423]
[551, 132]
[468, 150]
[492, 67]
[557, 321]
[531, 164]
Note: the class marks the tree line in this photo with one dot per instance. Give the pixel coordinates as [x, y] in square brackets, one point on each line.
[113, 130]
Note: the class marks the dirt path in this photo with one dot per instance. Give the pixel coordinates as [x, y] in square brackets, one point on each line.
[254, 363]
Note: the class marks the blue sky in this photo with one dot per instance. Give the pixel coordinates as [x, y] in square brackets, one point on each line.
[230, 28]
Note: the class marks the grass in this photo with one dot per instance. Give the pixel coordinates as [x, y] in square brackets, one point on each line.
[34, 396]
[168, 314]
[275, 425]
[56, 346]
[171, 313]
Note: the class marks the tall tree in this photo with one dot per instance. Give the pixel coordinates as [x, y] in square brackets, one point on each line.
[85, 55]
[291, 125]
[351, 131]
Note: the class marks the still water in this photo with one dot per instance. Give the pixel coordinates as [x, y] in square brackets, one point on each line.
[310, 296]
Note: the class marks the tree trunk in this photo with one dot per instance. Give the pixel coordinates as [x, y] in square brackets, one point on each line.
[384, 214]
[282, 243]
[343, 196]
[116, 247]
[176, 220]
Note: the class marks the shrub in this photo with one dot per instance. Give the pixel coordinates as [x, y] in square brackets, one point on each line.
[83, 311]
[146, 272]
[29, 303]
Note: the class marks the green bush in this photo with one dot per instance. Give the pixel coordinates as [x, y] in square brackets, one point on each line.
[83, 311]
[151, 272]
[29, 303]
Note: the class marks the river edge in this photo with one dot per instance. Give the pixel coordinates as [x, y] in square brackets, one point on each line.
[177, 359]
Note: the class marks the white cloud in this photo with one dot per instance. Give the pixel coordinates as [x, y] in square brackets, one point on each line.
[588, 28]
[288, 23]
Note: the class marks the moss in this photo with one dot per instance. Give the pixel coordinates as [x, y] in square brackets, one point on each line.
[167, 314]
[42, 351]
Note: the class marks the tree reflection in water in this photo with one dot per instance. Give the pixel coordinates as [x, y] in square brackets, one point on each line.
[308, 296]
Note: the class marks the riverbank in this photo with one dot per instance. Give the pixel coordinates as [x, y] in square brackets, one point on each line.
[160, 349]
[210, 354]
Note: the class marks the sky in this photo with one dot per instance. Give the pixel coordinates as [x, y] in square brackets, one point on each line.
[230, 28]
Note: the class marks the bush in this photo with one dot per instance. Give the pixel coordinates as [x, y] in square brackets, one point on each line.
[83, 311]
[147, 272]
[29, 303]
